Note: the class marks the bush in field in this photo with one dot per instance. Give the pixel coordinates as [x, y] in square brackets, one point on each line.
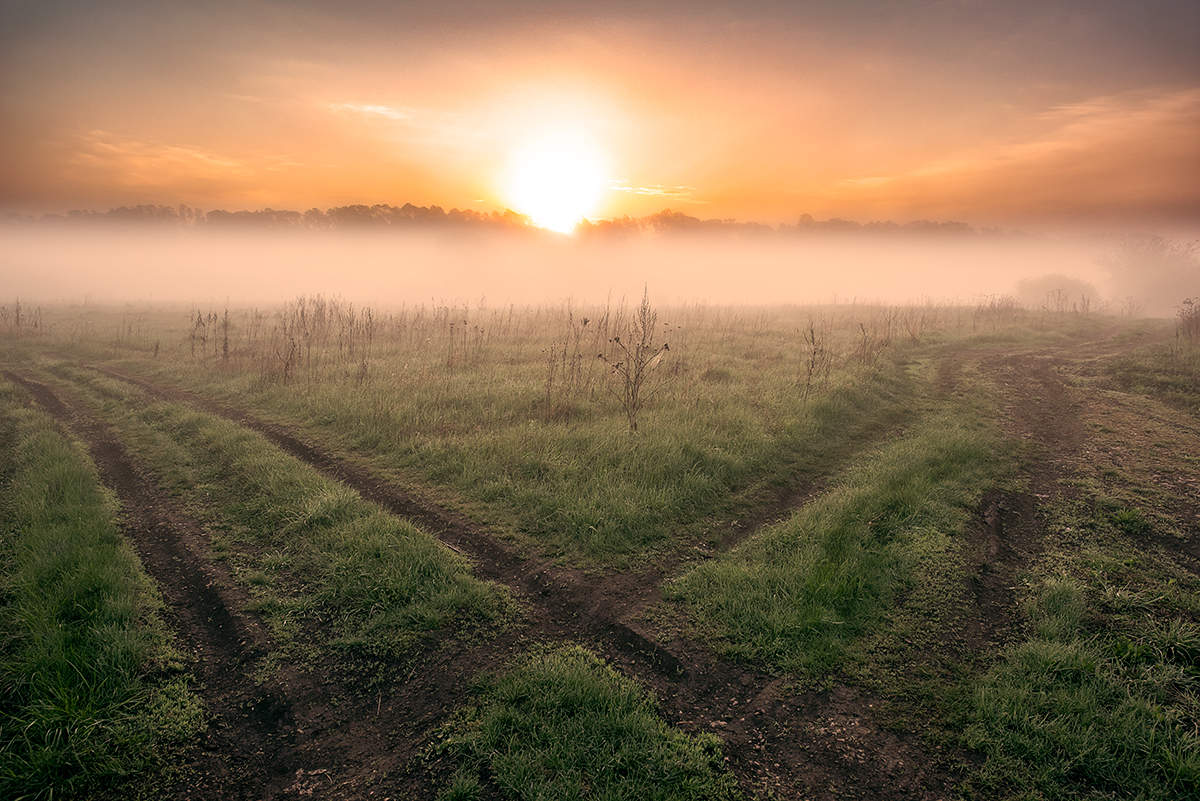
[1057, 293]
[637, 358]
[1189, 319]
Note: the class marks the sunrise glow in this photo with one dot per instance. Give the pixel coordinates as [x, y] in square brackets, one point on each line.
[556, 179]
[622, 400]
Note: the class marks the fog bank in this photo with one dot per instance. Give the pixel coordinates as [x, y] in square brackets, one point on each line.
[388, 269]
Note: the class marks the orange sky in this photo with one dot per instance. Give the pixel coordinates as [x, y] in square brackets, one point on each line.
[1014, 114]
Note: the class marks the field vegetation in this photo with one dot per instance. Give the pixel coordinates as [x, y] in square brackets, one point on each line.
[324, 567]
[91, 685]
[628, 551]
[796, 593]
[562, 724]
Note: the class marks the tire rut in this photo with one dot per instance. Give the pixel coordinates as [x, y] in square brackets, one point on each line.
[201, 608]
[750, 710]
[290, 737]
[1009, 530]
[566, 597]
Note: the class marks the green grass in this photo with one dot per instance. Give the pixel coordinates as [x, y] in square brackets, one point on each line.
[1093, 697]
[796, 595]
[1170, 373]
[454, 404]
[561, 725]
[90, 687]
[587, 490]
[1100, 696]
[728, 428]
[324, 566]
[1101, 701]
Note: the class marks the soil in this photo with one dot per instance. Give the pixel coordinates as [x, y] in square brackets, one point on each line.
[297, 735]
[750, 710]
[294, 738]
[1008, 531]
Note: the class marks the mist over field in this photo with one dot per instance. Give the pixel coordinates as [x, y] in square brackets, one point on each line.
[388, 269]
[511, 400]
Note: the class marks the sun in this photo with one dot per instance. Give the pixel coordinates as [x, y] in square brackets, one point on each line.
[556, 179]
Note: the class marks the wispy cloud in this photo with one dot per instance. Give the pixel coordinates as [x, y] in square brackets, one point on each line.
[374, 109]
[139, 162]
[1088, 126]
[654, 190]
[867, 181]
[1118, 150]
[440, 130]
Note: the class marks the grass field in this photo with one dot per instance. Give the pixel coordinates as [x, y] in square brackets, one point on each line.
[91, 686]
[850, 551]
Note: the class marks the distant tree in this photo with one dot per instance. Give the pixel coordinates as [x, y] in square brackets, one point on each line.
[1188, 315]
[1155, 271]
[315, 219]
[1057, 293]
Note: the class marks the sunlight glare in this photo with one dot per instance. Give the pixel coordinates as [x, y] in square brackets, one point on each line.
[556, 180]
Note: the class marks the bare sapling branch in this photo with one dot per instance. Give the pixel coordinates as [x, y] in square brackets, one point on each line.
[635, 360]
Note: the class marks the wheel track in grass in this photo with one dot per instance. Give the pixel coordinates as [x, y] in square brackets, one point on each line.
[202, 607]
[290, 737]
[819, 744]
[1009, 530]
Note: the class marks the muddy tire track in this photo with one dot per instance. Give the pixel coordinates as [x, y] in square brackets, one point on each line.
[576, 604]
[294, 736]
[1008, 531]
[819, 745]
[247, 744]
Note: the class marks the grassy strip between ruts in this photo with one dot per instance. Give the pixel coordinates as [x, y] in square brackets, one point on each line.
[1102, 699]
[561, 724]
[90, 687]
[326, 567]
[797, 594]
[585, 489]
[1170, 372]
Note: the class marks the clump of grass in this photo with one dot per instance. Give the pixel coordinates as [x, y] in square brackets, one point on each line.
[1170, 372]
[1095, 704]
[995, 310]
[1188, 316]
[562, 724]
[795, 595]
[90, 689]
[1130, 521]
[18, 321]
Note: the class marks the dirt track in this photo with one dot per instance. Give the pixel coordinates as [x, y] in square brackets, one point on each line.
[294, 736]
[775, 741]
[203, 608]
[285, 741]
[1038, 408]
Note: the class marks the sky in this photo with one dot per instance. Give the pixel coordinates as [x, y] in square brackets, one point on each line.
[1019, 113]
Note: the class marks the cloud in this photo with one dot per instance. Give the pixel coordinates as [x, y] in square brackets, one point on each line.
[1100, 156]
[374, 109]
[125, 169]
[655, 190]
[137, 162]
[440, 130]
